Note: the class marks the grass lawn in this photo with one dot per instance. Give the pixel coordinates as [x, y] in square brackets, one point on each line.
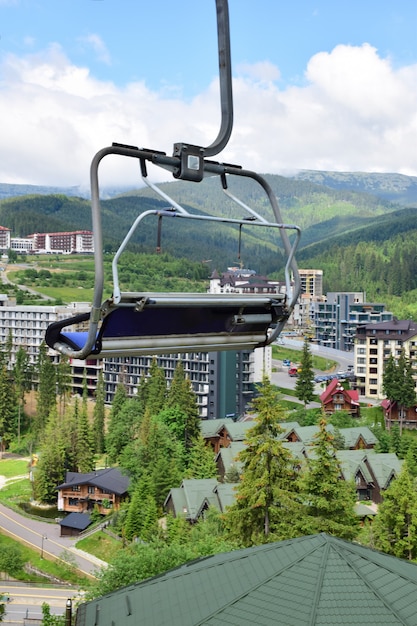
[16, 491]
[101, 545]
[64, 571]
[279, 353]
[13, 467]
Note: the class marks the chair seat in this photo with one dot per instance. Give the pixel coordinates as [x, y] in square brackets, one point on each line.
[171, 323]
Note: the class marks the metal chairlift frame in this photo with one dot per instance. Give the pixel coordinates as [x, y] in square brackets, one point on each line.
[248, 320]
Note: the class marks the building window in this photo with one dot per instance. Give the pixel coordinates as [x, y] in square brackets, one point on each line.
[91, 489]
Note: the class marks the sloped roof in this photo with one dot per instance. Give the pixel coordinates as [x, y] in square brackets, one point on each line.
[351, 464]
[306, 434]
[226, 495]
[78, 521]
[309, 581]
[384, 465]
[110, 479]
[334, 387]
[229, 455]
[238, 430]
[210, 428]
[189, 499]
[352, 436]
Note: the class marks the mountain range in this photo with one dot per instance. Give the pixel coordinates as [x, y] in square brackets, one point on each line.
[335, 210]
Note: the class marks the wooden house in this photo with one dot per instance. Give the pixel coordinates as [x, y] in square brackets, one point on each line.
[81, 493]
[403, 417]
[336, 398]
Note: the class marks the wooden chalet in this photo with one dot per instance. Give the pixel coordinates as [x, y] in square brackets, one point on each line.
[81, 493]
[194, 497]
[336, 398]
[393, 414]
[371, 472]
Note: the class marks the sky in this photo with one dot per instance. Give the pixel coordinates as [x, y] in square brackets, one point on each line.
[317, 84]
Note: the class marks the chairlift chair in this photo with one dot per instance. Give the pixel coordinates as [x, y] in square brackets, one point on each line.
[135, 323]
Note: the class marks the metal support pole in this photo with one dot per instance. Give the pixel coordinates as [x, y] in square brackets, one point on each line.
[68, 612]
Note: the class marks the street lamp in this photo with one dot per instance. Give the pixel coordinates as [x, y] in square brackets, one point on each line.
[43, 539]
[68, 612]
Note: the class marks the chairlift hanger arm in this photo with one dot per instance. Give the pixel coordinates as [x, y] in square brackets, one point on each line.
[218, 322]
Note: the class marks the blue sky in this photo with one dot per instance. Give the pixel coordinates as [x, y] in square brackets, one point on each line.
[317, 84]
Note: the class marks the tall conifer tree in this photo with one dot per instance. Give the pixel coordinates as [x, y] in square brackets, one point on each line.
[395, 527]
[304, 386]
[46, 396]
[328, 500]
[99, 415]
[265, 504]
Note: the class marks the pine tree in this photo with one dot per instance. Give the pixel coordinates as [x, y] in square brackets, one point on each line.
[142, 517]
[6, 408]
[328, 500]
[21, 380]
[265, 504]
[68, 426]
[116, 428]
[398, 385]
[201, 463]
[176, 420]
[304, 386]
[99, 415]
[50, 470]
[84, 453]
[46, 396]
[182, 397]
[395, 527]
[155, 389]
[63, 381]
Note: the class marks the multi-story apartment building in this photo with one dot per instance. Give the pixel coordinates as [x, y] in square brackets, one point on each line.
[374, 343]
[80, 242]
[4, 238]
[26, 326]
[336, 320]
[311, 282]
[223, 382]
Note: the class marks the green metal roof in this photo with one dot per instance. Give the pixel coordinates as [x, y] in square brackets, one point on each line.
[352, 436]
[316, 581]
[210, 428]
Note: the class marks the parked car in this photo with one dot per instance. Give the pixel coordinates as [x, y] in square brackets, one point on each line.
[293, 371]
[286, 362]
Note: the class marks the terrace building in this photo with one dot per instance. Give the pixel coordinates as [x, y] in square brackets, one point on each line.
[337, 319]
[374, 343]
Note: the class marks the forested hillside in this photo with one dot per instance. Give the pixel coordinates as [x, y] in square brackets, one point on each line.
[362, 242]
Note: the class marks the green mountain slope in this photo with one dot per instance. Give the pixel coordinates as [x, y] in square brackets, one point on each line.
[337, 219]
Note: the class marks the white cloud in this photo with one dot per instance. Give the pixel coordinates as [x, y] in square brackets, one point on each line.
[97, 44]
[264, 72]
[355, 113]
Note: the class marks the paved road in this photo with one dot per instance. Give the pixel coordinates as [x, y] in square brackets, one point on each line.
[45, 537]
[26, 601]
